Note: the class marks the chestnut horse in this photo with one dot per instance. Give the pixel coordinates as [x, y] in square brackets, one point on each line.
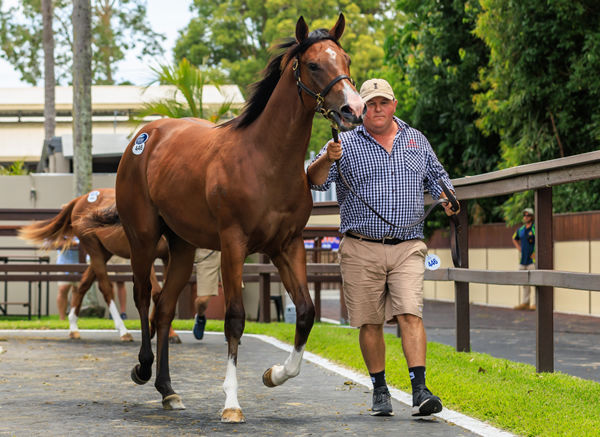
[100, 243]
[240, 188]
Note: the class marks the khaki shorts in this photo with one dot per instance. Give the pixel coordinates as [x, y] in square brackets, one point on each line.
[208, 266]
[381, 281]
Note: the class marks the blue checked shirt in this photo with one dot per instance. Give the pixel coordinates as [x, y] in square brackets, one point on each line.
[393, 184]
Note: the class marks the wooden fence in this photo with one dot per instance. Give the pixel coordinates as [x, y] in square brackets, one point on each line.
[540, 177]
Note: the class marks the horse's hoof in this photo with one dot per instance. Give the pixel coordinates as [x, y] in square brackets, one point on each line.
[126, 337]
[135, 376]
[173, 402]
[267, 378]
[232, 415]
[175, 339]
[74, 335]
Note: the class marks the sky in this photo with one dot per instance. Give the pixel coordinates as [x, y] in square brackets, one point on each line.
[166, 17]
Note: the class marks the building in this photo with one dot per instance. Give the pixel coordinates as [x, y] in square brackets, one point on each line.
[113, 125]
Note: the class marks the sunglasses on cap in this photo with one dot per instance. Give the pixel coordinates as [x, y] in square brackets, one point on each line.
[526, 214]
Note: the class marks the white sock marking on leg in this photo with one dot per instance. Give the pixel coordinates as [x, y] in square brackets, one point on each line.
[114, 312]
[73, 321]
[230, 386]
[290, 368]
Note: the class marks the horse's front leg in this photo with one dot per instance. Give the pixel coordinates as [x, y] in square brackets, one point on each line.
[292, 268]
[180, 269]
[87, 279]
[232, 261]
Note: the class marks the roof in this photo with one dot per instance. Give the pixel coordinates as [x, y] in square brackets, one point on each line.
[111, 97]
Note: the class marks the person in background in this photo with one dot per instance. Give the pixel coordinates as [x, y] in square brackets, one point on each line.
[524, 241]
[389, 164]
[208, 266]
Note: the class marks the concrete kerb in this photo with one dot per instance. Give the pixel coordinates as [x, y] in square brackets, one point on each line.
[446, 414]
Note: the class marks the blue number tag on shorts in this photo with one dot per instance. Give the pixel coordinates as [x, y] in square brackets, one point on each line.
[432, 262]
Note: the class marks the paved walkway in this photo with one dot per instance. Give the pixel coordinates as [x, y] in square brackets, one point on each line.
[510, 334]
[50, 386]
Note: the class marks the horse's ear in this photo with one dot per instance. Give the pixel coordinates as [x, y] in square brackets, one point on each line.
[338, 29]
[301, 30]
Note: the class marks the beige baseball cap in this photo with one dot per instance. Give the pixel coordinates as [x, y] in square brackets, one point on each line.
[376, 87]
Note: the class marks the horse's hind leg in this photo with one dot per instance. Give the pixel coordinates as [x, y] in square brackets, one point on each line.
[180, 269]
[87, 279]
[98, 258]
[173, 337]
[142, 246]
[292, 269]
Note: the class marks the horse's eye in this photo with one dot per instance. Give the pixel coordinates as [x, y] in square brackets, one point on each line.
[312, 66]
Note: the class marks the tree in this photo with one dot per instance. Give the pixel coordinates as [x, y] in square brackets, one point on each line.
[82, 97]
[49, 83]
[188, 82]
[540, 91]
[117, 26]
[235, 36]
[434, 61]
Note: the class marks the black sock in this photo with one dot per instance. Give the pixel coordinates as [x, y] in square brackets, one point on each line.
[417, 377]
[378, 379]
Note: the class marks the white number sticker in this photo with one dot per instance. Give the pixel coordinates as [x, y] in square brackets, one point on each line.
[432, 262]
[140, 142]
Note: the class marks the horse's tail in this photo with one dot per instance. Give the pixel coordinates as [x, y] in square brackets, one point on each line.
[54, 232]
[101, 218]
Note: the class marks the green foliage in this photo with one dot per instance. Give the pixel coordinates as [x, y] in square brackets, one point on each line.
[187, 100]
[17, 168]
[117, 26]
[433, 61]
[235, 35]
[436, 58]
[540, 91]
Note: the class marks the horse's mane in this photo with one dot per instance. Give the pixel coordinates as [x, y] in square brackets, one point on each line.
[261, 91]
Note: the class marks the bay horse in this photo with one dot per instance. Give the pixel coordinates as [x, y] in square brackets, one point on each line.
[100, 243]
[239, 187]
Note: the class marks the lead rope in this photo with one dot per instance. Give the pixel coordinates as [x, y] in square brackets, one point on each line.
[454, 225]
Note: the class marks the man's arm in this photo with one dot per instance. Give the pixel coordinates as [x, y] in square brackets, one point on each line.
[318, 171]
[515, 241]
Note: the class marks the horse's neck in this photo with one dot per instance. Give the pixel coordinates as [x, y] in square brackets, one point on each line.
[283, 129]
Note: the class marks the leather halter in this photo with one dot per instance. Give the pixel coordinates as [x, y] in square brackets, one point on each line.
[319, 97]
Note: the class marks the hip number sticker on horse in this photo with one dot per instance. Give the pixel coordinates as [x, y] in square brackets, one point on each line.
[140, 142]
[93, 196]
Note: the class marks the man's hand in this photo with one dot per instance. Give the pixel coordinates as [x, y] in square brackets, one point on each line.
[448, 205]
[319, 170]
[334, 151]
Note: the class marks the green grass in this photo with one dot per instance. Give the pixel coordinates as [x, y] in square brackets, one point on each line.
[508, 395]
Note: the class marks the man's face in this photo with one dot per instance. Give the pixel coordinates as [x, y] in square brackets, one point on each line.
[379, 114]
[527, 218]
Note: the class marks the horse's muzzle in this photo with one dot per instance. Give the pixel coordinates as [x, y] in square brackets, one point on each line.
[346, 120]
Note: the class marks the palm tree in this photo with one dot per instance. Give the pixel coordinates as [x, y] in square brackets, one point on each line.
[189, 82]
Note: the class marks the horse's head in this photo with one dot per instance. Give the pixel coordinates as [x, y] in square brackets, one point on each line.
[322, 70]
